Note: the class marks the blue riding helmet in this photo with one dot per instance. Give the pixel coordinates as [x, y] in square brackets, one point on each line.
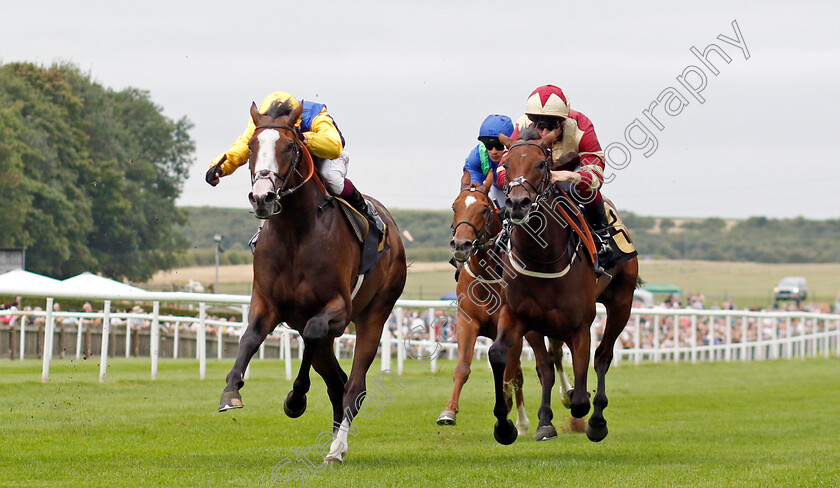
[494, 124]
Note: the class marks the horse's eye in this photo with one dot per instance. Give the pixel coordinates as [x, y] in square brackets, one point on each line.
[290, 146]
[541, 165]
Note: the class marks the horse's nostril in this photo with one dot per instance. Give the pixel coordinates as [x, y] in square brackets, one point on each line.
[452, 244]
[270, 197]
[525, 203]
[251, 198]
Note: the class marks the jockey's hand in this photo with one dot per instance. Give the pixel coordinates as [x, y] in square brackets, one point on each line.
[213, 174]
[561, 176]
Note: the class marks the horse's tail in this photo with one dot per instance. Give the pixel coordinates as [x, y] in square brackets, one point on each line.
[640, 282]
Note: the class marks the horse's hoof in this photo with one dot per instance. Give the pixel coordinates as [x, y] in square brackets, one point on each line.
[580, 410]
[546, 432]
[522, 428]
[333, 459]
[230, 400]
[293, 412]
[505, 435]
[597, 432]
[447, 417]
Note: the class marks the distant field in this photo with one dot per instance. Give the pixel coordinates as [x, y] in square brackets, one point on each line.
[748, 284]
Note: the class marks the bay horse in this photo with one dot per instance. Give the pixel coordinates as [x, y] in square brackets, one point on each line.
[306, 265]
[552, 287]
[476, 224]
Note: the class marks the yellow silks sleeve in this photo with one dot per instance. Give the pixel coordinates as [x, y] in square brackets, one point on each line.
[323, 139]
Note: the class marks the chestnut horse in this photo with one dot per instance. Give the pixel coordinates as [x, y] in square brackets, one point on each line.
[476, 223]
[306, 266]
[552, 287]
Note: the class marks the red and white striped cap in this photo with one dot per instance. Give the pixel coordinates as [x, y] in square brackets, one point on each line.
[547, 100]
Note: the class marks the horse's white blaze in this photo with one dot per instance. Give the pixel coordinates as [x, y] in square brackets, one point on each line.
[469, 201]
[265, 157]
[339, 444]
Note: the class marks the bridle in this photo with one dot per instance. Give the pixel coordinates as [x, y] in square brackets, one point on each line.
[482, 239]
[542, 191]
[273, 176]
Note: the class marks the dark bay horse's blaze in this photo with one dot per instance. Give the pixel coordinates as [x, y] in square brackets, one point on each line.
[552, 288]
[305, 268]
[476, 223]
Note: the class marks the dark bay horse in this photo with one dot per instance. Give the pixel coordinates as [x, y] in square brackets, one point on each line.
[552, 288]
[476, 223]
[305, 270]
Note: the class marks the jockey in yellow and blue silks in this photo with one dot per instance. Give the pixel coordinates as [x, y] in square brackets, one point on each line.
[485, 157]
[323, 140]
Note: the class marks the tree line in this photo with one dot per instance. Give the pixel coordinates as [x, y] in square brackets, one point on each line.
[757, 239]
[88, 175]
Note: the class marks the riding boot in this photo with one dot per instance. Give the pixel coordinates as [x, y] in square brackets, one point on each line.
[596, 216]
[366, 208]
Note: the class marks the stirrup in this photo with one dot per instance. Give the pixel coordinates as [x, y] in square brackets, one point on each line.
[252, 244]
[375, 217]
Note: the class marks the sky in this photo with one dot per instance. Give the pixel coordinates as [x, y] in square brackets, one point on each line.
[409, 84]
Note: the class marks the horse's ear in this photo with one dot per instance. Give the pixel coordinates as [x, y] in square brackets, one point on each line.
[549, 139]
[488, 182]
[466, 180]
[255, 113]
[505, 140]
[295, 115]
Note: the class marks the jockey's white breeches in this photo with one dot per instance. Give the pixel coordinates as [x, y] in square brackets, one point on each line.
[333, 171]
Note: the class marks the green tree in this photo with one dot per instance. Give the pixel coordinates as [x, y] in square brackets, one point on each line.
[102, 172]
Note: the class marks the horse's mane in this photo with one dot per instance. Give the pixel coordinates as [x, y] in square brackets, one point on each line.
[529, 134]
[278, 109]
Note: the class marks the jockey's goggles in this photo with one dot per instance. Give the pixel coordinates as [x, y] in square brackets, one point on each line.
[493, 144]
[549, 123]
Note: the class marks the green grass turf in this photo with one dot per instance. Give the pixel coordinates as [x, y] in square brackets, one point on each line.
[762, 424]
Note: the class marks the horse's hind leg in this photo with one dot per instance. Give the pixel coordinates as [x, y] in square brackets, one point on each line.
[513, 387]
[260, 324]
[556, 353]
[618, 311]
[545, 369]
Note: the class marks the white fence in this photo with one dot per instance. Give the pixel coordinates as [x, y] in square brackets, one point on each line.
[651, 334]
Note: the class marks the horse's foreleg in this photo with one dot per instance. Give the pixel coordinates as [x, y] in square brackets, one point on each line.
[545, 369]
[295, 403]
[580, 364]
[508, 333]
[467, 334]
[618, 312]
[326, 365]
[254, 335]
[330, 320]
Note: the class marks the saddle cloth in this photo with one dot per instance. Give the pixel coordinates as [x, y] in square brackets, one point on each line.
[371, 242]
[620, 241]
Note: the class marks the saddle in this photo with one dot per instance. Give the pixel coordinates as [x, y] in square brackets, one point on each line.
[371, 241]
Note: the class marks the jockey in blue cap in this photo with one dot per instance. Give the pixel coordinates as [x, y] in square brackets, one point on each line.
[485, 157]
